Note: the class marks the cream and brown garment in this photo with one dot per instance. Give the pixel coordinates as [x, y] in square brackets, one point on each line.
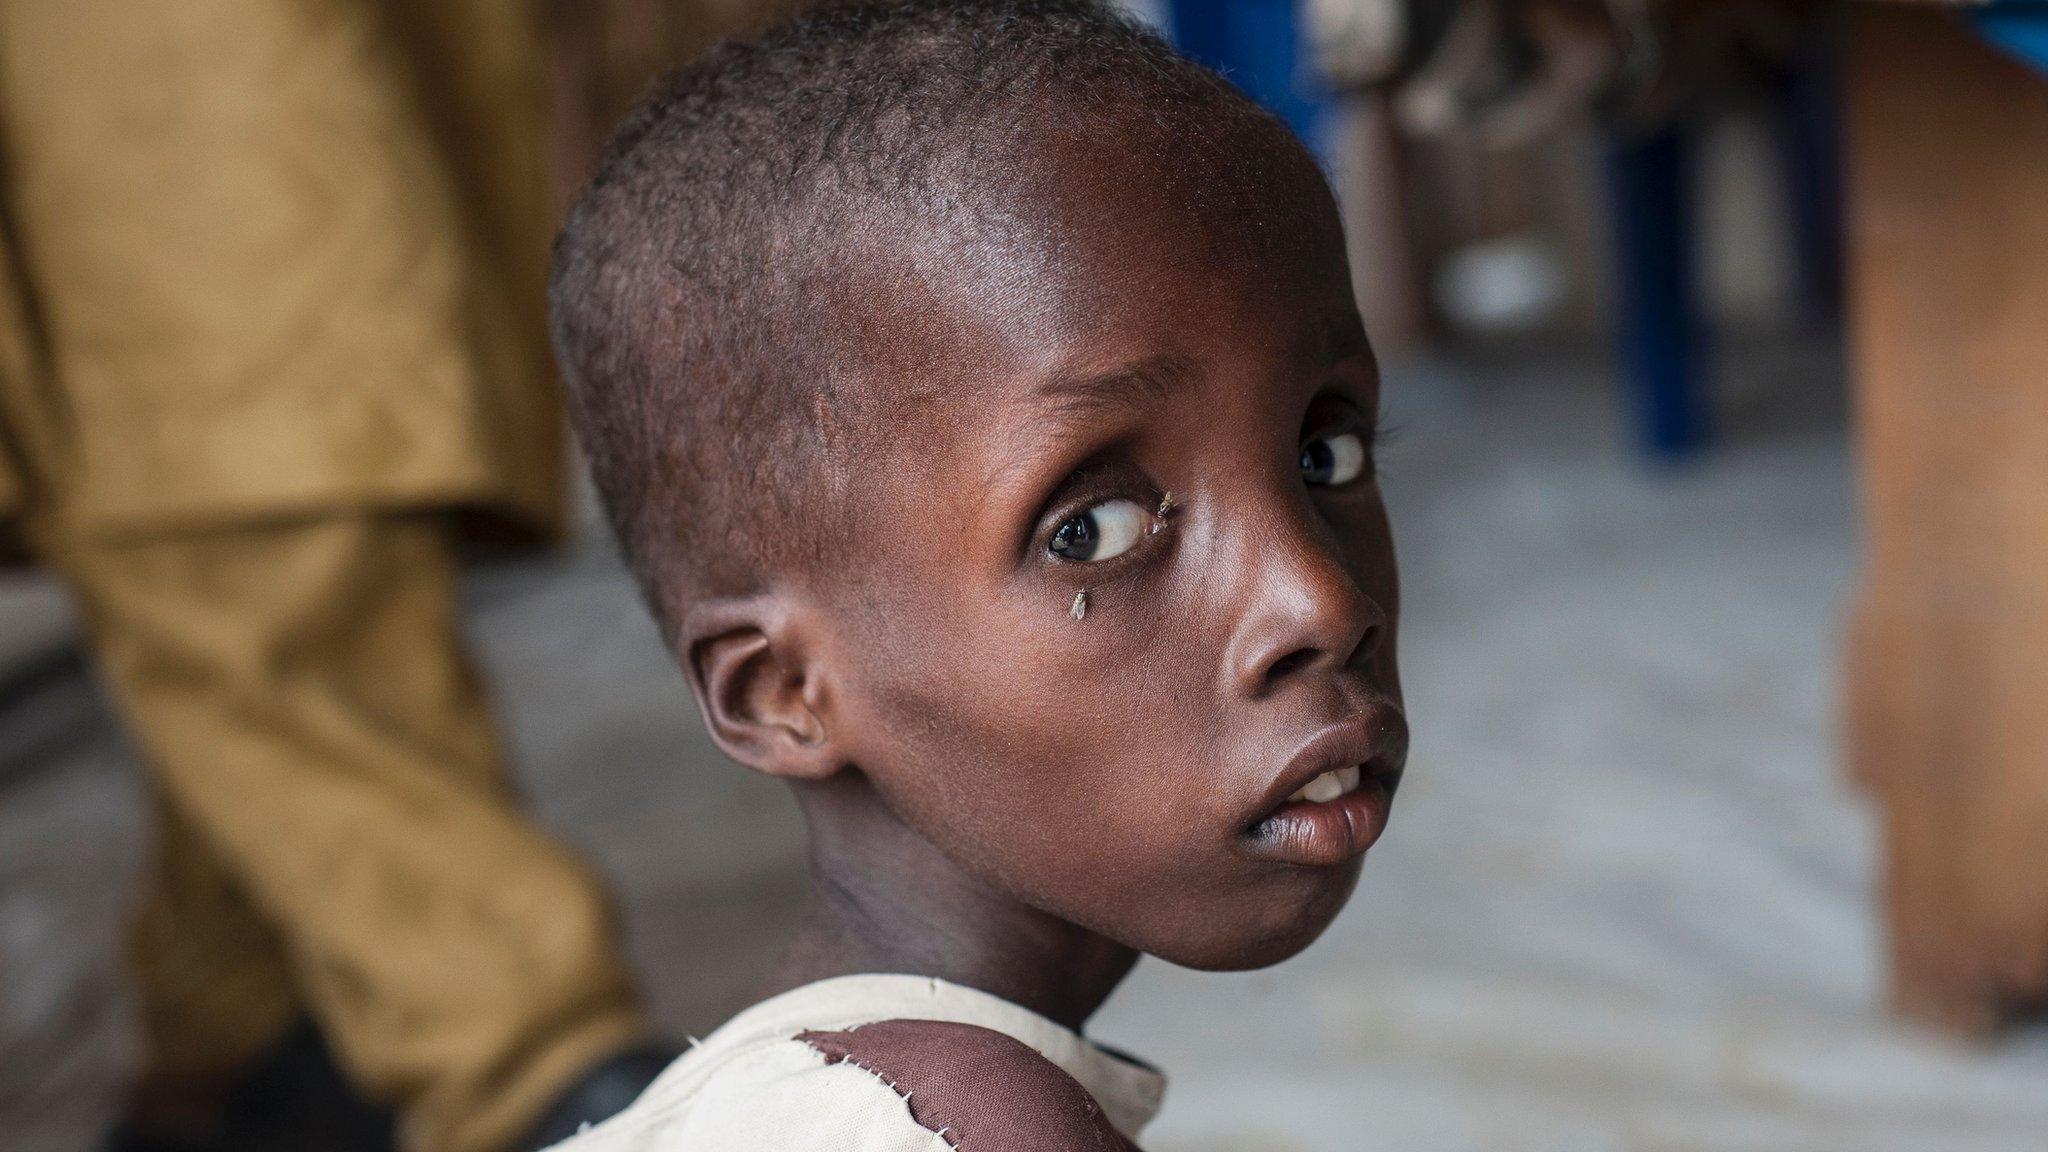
[886, 1063]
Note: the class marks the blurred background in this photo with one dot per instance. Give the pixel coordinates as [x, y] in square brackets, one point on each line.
[1725, 635]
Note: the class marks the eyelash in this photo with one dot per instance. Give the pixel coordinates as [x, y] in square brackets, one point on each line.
[1382, 432]
[1376, 435]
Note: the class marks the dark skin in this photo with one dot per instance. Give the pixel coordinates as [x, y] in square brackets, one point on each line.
[1003, 795]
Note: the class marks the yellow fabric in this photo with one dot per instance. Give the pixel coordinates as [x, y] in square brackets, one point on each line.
[338, 830]
[273, 256]
[213, 982]
[271, 280]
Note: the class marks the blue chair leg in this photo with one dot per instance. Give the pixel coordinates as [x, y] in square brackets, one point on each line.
[1810, 140]
[1656, 312]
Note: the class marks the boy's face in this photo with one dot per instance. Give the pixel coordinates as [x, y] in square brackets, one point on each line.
[1105, 333]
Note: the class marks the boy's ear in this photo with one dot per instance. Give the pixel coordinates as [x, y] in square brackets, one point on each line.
[758, 688]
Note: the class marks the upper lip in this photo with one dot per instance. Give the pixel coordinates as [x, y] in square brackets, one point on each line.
[1372, 740]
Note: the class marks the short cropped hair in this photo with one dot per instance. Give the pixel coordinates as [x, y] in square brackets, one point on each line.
[684, 295]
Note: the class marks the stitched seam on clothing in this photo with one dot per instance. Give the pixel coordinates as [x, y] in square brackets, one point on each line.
[891, 1086]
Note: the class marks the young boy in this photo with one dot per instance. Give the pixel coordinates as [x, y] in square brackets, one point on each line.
[978, 393]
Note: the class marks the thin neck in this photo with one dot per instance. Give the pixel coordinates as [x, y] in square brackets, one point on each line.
[883, 899]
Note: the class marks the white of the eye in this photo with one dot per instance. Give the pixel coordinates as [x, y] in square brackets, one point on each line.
[1120, 524]
[1347, 458]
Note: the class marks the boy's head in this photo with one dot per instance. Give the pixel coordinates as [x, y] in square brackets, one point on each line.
[889, 333]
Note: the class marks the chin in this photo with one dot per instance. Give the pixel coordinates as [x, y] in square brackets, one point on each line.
[1285, 922]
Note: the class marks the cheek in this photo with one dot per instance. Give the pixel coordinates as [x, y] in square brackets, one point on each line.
[1368, 535]
[1046, 753]
[1086, 767]
[1370, 554]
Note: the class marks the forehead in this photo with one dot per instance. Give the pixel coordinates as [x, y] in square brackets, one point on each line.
[1090, 242]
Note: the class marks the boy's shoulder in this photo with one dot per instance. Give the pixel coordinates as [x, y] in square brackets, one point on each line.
[898, 1084]
[975, 1087]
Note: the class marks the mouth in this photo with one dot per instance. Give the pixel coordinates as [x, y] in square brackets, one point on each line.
[1328, 786]
[1332, 801]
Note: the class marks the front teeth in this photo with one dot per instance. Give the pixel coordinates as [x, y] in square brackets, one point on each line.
[1328, 786]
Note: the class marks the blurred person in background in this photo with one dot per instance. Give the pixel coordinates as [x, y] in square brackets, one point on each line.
[271, 342]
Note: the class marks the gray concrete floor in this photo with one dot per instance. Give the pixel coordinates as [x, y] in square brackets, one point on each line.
[1626, 902]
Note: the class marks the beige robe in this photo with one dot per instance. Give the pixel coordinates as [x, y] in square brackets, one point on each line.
[263, 257]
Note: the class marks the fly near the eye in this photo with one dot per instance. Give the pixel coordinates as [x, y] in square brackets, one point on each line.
[1080, 607]
[1167, 503]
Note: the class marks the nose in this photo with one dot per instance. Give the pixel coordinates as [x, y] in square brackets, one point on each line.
[1304, 611]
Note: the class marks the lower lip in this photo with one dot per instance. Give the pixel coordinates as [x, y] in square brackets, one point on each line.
[1325, 834]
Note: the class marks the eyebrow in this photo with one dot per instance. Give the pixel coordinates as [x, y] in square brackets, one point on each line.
[1332, 340]
[1126, 386]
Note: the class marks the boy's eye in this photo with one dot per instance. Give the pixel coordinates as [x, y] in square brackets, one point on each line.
[1328, 461]
[1103, 530]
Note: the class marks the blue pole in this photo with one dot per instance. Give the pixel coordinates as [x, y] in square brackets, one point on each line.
[1656, 312]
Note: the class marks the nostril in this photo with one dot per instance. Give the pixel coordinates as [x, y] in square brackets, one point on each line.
[1292, 662]
[1375, 635]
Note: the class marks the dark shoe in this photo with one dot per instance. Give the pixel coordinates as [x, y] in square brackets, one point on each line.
[293, 1097]
[603, 1093]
